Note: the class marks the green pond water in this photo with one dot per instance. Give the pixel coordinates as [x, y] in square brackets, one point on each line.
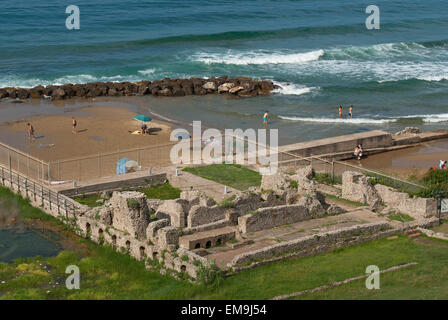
[24, 243]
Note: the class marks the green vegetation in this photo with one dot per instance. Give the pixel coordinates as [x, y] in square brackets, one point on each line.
[228, 202]
[294, 185]
[325, 178]
[90, 201]
[349, 202]
[163, 192]
[107, 274]
[402, 217]
[133, 204]
[437, 183]
[232, 175]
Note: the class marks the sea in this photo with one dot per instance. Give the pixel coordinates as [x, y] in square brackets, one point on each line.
[319, 51]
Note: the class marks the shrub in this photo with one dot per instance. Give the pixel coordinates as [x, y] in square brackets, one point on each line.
[210, 275]
[133, 204]
[228, 202]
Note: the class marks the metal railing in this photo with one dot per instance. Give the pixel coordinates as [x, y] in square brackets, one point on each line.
[38, 192]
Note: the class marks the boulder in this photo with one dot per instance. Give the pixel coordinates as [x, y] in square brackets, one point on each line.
[209, 86]
[58, 94]
[225, 87]
[235, 89]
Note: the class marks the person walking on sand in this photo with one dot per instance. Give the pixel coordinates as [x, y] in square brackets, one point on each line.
[31, 135]
[340, 111]
[350, 112]
[74, 125]
[265, 118]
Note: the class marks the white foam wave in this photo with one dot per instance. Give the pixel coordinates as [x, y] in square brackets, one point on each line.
[428, 118]
[293, 89]
[147, 71]
[337, 120]
[258, 57]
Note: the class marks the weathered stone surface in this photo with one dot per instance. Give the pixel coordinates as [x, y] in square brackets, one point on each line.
[235, 89]
[203, 215]
[174, 210]
[167, 236]
[266, 218]
[402, 202]
[276, 182]
[225, 87]
[130, 212]
[356, 187]
[209, 86]
[408, 131]
[153, 227]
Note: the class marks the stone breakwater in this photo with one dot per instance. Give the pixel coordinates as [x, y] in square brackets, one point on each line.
[240, 87]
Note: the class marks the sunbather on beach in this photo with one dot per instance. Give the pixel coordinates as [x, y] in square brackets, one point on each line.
[350, 112]
[340, 111]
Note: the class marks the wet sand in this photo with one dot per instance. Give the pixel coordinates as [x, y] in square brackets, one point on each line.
[407, 162]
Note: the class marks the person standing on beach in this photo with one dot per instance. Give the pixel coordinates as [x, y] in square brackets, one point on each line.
[265, 118]
[74, 125]
[350, 112]
[31, 135]
[340, 111]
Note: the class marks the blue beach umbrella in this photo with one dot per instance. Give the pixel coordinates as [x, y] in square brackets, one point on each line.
[142, 118]
[121, 165]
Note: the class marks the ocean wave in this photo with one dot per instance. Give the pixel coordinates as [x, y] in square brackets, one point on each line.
[257, 57]
[427, 118]
[293, 89]
[337, 120]
[147, 71]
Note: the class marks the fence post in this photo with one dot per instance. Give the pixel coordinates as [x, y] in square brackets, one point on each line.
[57, 201]
[49, 182]
[79, 170]
[10, 167]
[3, 177]
[42, 195]
[332, 169]
[34, 190]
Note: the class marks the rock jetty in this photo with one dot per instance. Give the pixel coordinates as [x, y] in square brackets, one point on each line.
[240, 87]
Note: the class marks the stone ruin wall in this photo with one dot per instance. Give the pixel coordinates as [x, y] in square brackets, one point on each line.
[356, 187]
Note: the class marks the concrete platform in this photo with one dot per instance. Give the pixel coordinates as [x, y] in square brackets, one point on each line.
[369, 140]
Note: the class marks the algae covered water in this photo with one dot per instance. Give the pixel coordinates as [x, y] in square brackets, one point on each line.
[23, 243]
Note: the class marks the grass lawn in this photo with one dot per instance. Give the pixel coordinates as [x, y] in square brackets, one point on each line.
[342, 200]
[232, 175]
[106, 274]
[163, 192]
[89, 200]
[402, 217]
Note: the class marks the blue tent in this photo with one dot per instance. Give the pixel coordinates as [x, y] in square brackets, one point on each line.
[121, 165]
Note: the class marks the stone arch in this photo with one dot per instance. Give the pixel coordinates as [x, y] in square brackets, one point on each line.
[183, 268]
[88, 228]
[208, 244]
[114, 240]
[197, 245]
[154, 255]
[100, 232]
[218, 241]
[128, 245]
[142, 252]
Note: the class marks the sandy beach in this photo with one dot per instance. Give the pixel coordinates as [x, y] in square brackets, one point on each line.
[414, 161]
[101, 129]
